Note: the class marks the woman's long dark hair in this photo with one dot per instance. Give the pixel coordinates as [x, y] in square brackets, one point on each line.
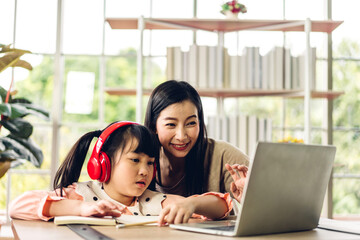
[70, 169]
[164, 95]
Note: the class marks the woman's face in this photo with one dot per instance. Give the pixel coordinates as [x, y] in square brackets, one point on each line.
[178, 128]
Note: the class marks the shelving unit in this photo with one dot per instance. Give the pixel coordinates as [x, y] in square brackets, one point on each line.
[221, 26]
[226, 93]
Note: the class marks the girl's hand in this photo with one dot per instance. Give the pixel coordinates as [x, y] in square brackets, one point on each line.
[177, 212]
[100, 209]
[238, 174]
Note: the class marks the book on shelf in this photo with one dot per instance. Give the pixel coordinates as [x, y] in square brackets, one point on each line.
[268, 130]
[234, 72]
[203, 66]
[177, 63]
[243, 132]
[185, 65]
[224, 134]
[265, 72]
[295, 82]
[233, 130]
[303, 69]
[193, 65]
[242, 74]
[212, 66]
[279, 68]
[253, 133]
[287, 69]
[226, 67]
[248, 52]
[257, 68]
[170, 63]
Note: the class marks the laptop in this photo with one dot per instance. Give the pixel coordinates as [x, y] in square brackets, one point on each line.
[284, 192]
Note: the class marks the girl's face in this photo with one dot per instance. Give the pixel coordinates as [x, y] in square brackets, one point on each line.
[131, 175]
[178, 128]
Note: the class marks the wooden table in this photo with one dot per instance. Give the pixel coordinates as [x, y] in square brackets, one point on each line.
[48, 230]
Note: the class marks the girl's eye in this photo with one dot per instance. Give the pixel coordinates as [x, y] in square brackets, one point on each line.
[151, 163]
[135, 160]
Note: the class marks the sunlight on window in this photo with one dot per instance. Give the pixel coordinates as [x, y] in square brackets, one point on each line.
[79, 92]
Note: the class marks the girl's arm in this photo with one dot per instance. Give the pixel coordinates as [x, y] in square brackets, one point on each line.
[177, 209]
[80, 208]
[44, 205]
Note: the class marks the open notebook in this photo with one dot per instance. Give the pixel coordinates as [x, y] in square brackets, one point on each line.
[126, 220]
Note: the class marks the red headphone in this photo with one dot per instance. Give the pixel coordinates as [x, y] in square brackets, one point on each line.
[99, 165]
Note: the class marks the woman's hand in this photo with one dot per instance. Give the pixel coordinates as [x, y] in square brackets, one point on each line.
[238, 173]
[177, 212]
[100, 209]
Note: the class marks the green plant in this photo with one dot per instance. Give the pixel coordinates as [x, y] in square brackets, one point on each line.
[17, 146]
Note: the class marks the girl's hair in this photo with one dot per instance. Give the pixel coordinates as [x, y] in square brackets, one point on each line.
[164, 95]
[70, 169]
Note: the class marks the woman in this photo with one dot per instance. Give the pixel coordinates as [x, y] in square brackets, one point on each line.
[190, 162]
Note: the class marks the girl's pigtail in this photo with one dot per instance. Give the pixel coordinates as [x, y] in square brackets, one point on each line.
[70, 169]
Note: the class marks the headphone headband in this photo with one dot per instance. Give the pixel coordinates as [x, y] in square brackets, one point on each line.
[105, 134]
[99, 165]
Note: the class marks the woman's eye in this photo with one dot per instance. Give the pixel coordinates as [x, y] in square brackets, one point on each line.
[170, 124]
[191, 123]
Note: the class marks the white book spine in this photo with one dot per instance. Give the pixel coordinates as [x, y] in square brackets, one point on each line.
[193, 66]
[243, 133]
[233, 130]
[265, 72]
[212, 66]
[257, 68]
[203, 67]
[178, 63]
[234, 72]
[287, 71]
[253, 133]
[169, 63]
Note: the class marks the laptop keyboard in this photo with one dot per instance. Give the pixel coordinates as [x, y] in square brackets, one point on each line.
[223, 228]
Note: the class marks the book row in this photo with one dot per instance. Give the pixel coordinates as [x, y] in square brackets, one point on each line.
[242, 131]
[212, 67]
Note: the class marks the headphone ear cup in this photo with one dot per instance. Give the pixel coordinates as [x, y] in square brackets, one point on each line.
[94, 168]
[105, 167]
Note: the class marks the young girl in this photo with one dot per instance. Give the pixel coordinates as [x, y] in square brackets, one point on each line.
[123, 161]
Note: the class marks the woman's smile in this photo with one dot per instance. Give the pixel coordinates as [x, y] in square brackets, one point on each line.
[180, 147]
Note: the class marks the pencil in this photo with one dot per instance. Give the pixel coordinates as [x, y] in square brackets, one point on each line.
[121, 225]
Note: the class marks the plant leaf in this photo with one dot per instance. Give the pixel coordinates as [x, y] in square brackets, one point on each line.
[32, 147]
[37, 111]
[3, 93]
[9, 59]
[16, 151]
[7, 48]
[23, 64]
[18, 127]
[5, 109]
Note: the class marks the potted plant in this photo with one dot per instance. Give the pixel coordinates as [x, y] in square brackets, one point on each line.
[15, 144]
[231, 9]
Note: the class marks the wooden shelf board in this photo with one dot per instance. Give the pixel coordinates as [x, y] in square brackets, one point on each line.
[226, 93]
[224, 25]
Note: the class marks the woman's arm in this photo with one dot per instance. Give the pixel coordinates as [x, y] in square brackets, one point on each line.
[177, 209]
